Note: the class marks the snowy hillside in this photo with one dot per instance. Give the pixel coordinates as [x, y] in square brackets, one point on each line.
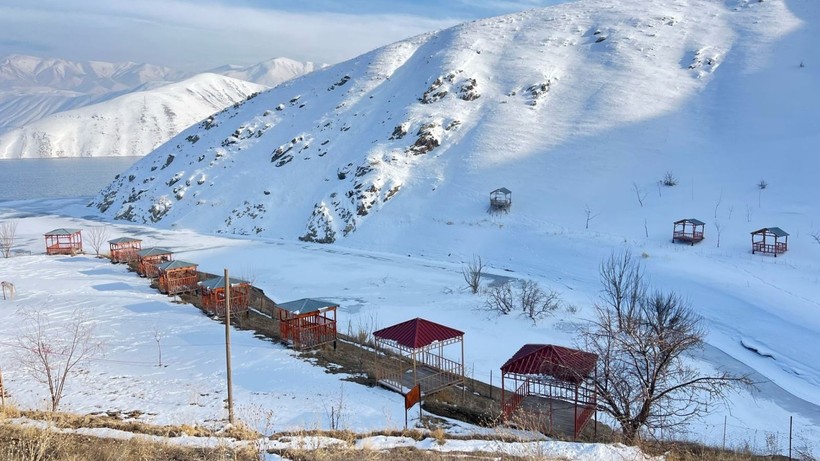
[129, 125]
[33, 87]
[584, 97]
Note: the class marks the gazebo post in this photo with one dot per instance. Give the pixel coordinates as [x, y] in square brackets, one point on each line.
[415, 378]
[463, 380]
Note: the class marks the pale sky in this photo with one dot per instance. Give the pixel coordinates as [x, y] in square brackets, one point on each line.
[198, 35]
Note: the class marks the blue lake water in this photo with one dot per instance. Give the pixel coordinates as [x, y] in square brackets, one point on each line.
[24, 179]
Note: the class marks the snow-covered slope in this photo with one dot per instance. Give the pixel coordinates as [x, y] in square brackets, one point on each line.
[129, 125]
[33, 87]
[587, 96]
[269, 73]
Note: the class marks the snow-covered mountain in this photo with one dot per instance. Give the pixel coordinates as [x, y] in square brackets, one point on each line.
[589, 96]
[32, 87]
[269, 73]
[129, 125]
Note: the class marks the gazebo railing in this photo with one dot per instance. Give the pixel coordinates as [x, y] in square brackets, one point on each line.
[775, 248]
[175, 285]
[683, 235]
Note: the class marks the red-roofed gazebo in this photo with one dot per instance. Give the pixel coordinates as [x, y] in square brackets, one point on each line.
[413, 352]
[543, 379]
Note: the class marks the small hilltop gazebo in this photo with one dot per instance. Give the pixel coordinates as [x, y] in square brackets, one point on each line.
[307, 323]
[212, 295]
[124, 249]
[149, 258]
[177, 277]
[551, 384]
[500, 199]
[64, 242]
[688, 230]
[768, 241]
[413, 352]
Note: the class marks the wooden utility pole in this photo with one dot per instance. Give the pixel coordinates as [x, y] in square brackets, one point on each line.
[228, 344]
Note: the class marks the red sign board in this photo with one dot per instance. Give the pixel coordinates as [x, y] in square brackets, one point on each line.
[412, 397]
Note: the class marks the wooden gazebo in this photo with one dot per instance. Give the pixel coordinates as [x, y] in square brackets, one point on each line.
[149, 258]
[307, 323]
[212, 295]
[770, 240]
[124, 249]
[688, 230]
[413, 352]
[64, 242]
[500, 199]
[550, 387]
[177, 277]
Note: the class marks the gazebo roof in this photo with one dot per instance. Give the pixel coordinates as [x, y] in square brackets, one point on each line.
[571, 365]
[694, 221]
[62, 231]
[218, 282]
[417, 333]
[503, 190]
[124, 240]
[306, 305]
[153, 251]
[168, 265]
[776, 231]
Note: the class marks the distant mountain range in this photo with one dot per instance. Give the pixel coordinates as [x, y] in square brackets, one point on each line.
[39, 99]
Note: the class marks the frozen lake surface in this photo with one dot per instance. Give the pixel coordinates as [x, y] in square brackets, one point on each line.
[23, 179]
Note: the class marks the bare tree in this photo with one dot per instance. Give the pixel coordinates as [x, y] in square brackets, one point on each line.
[158, 336]
[718, 228]
[51, 354]
[8, 234]
[816, 237]
[641, 377]
[96, 237]
[472, 274]
[525, 296]
[748, 213]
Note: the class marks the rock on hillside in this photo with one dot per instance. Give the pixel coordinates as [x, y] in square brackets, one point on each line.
[569, 106]
[130, 125]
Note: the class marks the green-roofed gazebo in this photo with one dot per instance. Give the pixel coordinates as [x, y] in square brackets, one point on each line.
[124, 249]
[307, 323]
[770, 240]
[212, 295]
[149, 258]
[500, 199]
[688, 230]
[64, 242]
[177, 277]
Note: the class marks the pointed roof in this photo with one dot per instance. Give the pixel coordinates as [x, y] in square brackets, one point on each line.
[694, 221]
[62, 231]
[417, 333]
[503, 190]
[124, 240]
[563, 363]
[169, 265]
[776, 231]
[218, 282]
[306, 305]
[153, 251]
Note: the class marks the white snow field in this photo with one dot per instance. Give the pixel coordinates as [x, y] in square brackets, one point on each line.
[580, 109]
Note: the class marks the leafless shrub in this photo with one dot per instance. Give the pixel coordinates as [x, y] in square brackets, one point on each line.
[500, 298]
[52, 354]
[524, 296]
[8, 234]
[669, 179]
[640, 193]
[96, 236]
[816, 237]
[472, 274]
[590, 215]
[640, 337]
